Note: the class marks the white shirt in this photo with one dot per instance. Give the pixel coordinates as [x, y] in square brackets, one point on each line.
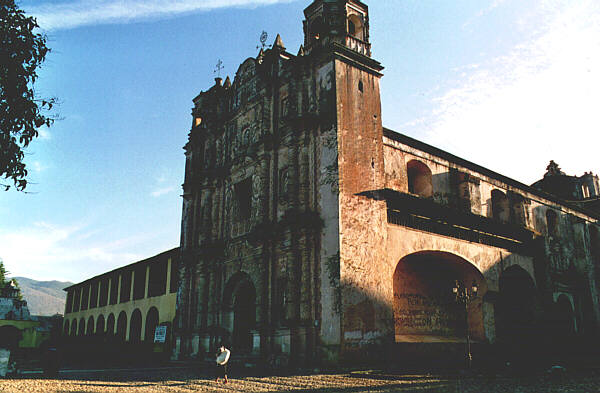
[223, 357]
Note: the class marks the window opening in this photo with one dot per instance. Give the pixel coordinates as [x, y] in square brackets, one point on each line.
[552, 223]
[419, 179]
[243, 195]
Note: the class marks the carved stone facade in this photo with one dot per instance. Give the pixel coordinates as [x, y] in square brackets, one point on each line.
[310, 232]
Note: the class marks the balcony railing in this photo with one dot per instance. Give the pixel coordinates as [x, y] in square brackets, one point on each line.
[359, 46]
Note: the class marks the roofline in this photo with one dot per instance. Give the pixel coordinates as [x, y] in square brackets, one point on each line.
[398, 137]
[121, 268]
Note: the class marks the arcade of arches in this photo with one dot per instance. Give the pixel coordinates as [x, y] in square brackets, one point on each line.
[126, 304]
[135, 328]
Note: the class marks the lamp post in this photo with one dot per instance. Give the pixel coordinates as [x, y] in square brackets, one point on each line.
[466, 295]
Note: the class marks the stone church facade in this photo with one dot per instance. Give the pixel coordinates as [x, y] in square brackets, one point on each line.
[310, 233]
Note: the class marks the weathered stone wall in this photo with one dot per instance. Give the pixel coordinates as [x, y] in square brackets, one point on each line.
[563, 262]
[362, 220]
[256, 203]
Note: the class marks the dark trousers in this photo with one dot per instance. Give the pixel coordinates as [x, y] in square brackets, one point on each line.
[221, 371]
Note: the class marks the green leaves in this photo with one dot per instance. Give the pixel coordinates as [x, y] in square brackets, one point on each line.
[21, 113]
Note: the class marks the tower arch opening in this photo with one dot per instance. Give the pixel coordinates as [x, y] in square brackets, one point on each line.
[356, 27]
[425, 309]
[316, 30]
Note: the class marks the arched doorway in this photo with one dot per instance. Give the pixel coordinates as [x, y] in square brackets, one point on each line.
[74, 328]
[100, 325]
[514, 312]
[151, 324]
[66, 328]
[10, 337]
[135, 329]
[240, 300]
[90, 327]
[81, 331]
[110, 325]
[425, 309]
[564, 317]
[122, 327]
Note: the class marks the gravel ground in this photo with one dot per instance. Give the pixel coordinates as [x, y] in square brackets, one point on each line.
[175, 381]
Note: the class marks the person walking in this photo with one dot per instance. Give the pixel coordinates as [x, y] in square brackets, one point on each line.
[222, 358]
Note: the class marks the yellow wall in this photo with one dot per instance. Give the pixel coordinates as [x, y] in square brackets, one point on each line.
[165, 305]
[31, 337]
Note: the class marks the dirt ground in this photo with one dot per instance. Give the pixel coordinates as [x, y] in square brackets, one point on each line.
[177, 380]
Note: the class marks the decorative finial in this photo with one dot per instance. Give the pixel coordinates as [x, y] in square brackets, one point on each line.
[219, 68]
[264, 36]
[553, 169]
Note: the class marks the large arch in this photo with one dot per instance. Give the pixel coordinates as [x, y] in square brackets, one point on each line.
[425, 309]
[135, 326]
[121, 334]
[239, 302]
[152, 319]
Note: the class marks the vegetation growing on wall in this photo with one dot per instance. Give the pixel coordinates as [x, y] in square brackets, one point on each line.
[332, 264]
[331, 175]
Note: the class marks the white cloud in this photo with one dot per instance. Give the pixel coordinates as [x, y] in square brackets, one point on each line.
[162, 191]
[537, 102]
[38, 167]
[49, 252]
[44, 133]
[66, 15]
[493, 5]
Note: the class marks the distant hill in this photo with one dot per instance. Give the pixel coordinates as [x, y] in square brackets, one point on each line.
[43, 297]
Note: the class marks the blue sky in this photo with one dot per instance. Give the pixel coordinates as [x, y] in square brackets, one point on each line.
[508, 84]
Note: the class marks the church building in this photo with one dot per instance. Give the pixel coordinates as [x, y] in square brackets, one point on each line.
[311, 234]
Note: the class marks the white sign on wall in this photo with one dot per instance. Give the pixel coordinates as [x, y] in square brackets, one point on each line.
[160, 334]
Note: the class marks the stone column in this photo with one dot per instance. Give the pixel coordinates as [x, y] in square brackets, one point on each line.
[264, 296]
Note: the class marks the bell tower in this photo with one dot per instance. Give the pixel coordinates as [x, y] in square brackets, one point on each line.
[339, 50]
[345, 22]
